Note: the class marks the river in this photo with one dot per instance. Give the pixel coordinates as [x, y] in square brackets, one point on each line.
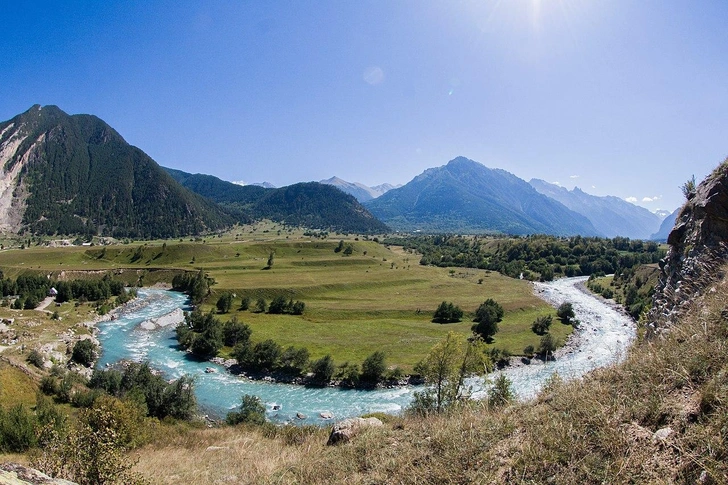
[604, 336]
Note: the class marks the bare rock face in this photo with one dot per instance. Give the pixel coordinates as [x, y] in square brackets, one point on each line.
[698, 248]
[344, 431]
[14, 474]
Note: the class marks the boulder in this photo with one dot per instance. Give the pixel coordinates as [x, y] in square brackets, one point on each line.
[344, 430]
[15, 474]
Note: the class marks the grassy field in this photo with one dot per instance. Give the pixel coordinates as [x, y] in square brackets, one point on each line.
[378, 298]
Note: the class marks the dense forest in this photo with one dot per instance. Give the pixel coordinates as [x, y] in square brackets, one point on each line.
[533, 257]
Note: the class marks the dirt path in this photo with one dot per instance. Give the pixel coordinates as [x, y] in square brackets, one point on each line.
[44, 304]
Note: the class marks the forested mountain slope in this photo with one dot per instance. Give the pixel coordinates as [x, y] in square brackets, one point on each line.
[62, 174]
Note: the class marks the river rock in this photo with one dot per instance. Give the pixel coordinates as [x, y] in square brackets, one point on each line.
[662, 434]
[344, 430]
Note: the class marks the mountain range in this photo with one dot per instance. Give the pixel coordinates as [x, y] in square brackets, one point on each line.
[361, 192]
[610, 215]
[74, 174]
[308, 204]
[465, 196]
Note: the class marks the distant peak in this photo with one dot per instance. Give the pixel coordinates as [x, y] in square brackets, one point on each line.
[461, 160]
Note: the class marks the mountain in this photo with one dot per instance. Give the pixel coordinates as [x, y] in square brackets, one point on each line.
[610, 215]
[465, 196]
[662, 213]
[361, 192]
[667, 224]
[266, 185]
[309, 204]
[63, 174]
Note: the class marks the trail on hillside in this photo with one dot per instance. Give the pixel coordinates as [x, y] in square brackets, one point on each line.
[603, 337]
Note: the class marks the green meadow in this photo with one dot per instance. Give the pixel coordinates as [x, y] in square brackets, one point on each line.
[376, 298]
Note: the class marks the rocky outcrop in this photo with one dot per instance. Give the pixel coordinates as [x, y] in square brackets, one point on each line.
[345, 430]
[14, 474]
[698, 249]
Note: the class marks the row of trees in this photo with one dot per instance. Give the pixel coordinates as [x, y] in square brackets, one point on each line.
[533, 257]
[487, 316]
[279, 305]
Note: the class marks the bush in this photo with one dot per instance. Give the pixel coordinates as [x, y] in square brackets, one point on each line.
[502, 392]
[541, 325]
[225, 302]
[84, 352]
[323, 369]
[36, 358]
[235, 332]
[373, 368]
[251, 411]
[294, 360]
[447, 313]
[565, 312]
[245, 303]
[487, 317]
[547, 345]
[265, 355]
[17, 429]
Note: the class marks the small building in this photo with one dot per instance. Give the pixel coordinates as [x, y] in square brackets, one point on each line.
[53, 292]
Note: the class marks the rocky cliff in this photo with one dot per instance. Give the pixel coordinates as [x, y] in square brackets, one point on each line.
[698, 248]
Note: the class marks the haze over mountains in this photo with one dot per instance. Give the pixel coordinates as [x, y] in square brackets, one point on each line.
[465, 196]
[610, 215]
[62, 174]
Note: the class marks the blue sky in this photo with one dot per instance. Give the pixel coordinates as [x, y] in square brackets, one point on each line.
[626, 98]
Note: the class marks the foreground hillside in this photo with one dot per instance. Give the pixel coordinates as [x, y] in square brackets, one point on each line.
[659, 417]
[76, 175]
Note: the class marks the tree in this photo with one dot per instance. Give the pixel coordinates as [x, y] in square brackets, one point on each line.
[340, 247]
[225, 302]
[541, 325]
[445, 369]
[487, 316]
[84, 352]
[547, 345]
[349, 250]
[447, 313]
[261, 306]
[501, 393]
[294, 360]
[245, 303]
[688, 188]
[373, 367]
[265, 355]
[269, 265]
[278, 305]
[565, 312]
[323, 369]
[235, 332]
[251, 411]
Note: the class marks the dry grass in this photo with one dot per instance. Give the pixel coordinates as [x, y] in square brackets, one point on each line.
[598, 430]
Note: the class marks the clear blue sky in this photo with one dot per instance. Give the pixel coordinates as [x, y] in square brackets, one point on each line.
[627, 98]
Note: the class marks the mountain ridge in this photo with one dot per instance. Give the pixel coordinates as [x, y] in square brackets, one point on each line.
[466, 196]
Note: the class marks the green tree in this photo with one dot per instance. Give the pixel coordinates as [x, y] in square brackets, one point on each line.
[278, 305]
[323, 369]
[547, 345]
[689, 188]
[542, 324]
[235, 332]
[340, 247]
[84, 352]
[447, 313]
[269, 265]
[501, 393]
[565, 312]
[266, 355]
[294, 360]
[251, 411]
[349, 250]
[487, 316]
[245, 303]
[225, 302]
[261, 306]
[374, 367]
[445, 369]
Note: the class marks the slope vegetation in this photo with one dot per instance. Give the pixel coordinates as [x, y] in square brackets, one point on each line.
[75, 174]
[309, 204]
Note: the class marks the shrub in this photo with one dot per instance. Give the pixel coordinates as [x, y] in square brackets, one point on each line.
[17, 429]
[84, 352]
[225, 302]
[541, 325]
[547, 345]
[447, 313]
[36, 358]
[323, 369]
[373, 367]
[502, 392]
[251, 411]
[565, 312]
